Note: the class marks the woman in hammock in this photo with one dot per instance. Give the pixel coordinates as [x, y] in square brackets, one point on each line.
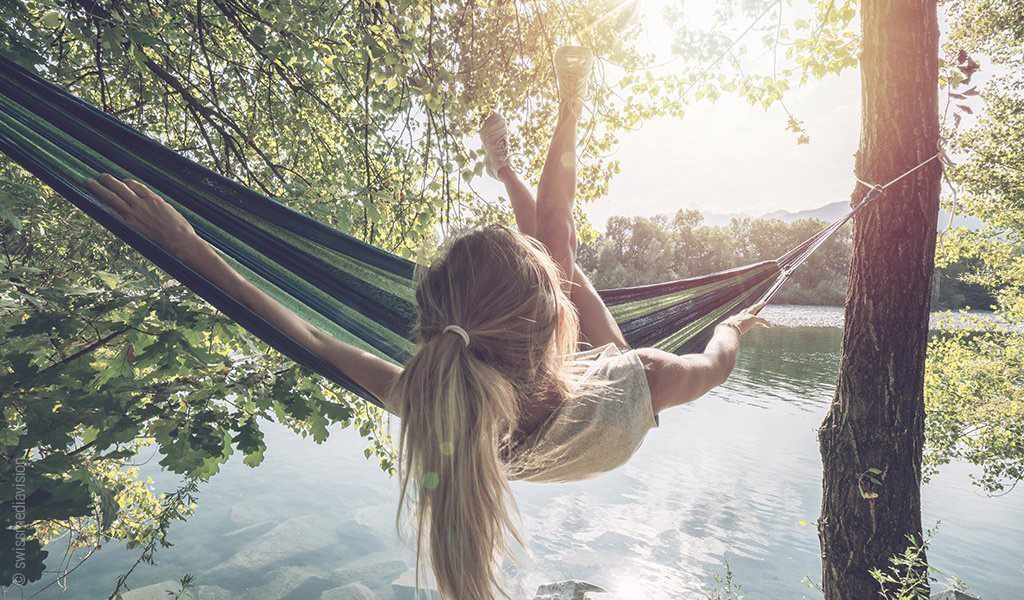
[497, 389]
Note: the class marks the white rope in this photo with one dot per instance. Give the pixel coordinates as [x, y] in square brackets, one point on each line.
[822, 236]
[905, 173]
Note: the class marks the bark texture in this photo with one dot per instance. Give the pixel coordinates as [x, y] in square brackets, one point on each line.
[876, 421]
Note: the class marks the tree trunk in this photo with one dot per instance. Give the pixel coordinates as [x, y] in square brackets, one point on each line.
[875, 427]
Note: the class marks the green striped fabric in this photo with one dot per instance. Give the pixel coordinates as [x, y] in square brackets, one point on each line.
[358, 293]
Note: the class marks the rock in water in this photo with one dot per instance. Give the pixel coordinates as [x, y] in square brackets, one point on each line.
[571, 590]
[404, 587]
[212, 592]
[952, 595]
[166, 589]
[299, 540]
[374, 570]
[157, 591]
[251, 530]
[352, 591]
[277, 546]
[290, 583]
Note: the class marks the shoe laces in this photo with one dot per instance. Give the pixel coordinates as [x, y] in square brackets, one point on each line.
[574, 85]
[501, 145]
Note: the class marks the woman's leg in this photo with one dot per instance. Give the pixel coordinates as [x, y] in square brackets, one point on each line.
[523, 204]
[556, 194]
[556, 191]
[494, 136]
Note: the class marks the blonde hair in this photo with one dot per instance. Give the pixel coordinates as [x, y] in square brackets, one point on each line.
[460, 403]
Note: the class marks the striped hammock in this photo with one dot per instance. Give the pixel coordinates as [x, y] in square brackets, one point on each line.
[358, 293]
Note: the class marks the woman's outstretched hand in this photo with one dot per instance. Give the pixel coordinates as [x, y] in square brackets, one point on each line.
[746, 319]
[143, 211]
[677, 380]
[148, 214]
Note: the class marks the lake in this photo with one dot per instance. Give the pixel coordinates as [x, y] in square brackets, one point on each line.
[733, 477]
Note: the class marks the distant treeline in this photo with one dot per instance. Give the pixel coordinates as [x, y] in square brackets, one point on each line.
[641, 250]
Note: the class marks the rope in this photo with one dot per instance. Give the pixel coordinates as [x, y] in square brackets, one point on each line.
[790, 261]
[905, 173]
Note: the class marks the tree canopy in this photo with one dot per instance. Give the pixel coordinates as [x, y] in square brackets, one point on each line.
[357, 113]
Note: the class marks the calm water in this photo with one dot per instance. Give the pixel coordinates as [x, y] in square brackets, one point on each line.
[733, 477]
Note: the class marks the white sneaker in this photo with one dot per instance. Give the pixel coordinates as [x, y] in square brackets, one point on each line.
[494, 134]
[573, 65]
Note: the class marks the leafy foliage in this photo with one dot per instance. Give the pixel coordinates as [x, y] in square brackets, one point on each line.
[974, 381]
[101, 363]
[356, 113]
[725, 587]
[808, 41]
[909, 576]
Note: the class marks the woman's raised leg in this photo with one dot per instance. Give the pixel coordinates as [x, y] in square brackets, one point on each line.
[523, 204]
[556, 194]
[556, 191]
[494, 134]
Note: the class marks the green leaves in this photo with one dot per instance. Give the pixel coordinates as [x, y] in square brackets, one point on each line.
[908, 576]
[726, 57]
[51, 19]
[974, 384]
[357, 113]
[97, 362]
[6, 216]
[142, 38]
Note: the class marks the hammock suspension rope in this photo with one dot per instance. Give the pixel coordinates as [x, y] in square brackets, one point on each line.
[807, 248]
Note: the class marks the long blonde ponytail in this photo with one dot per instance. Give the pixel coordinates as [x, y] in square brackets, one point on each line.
[460, 402]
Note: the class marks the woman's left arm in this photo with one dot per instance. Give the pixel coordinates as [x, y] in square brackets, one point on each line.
[597, 325]
[147, 213]
[675, 380]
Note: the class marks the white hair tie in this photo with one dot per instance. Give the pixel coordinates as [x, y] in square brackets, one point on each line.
[456, 329]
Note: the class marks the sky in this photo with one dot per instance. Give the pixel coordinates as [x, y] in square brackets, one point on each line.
[728, 156]
[731, 157]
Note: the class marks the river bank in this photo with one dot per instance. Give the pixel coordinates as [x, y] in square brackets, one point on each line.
[795, 315]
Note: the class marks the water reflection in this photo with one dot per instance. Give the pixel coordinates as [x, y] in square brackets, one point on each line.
[730, 477]
[795, 365]
[720, 479]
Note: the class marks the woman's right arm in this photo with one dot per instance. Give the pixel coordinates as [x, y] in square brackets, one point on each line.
[150, 215]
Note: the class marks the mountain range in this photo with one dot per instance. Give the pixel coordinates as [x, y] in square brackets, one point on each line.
[829, 212]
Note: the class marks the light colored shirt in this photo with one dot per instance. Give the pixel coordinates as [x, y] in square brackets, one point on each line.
[596, 430]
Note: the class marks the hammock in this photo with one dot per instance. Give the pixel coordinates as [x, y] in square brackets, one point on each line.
[358, 293]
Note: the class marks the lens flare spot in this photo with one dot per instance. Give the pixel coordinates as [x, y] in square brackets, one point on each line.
[447, 448]
[430, 480]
